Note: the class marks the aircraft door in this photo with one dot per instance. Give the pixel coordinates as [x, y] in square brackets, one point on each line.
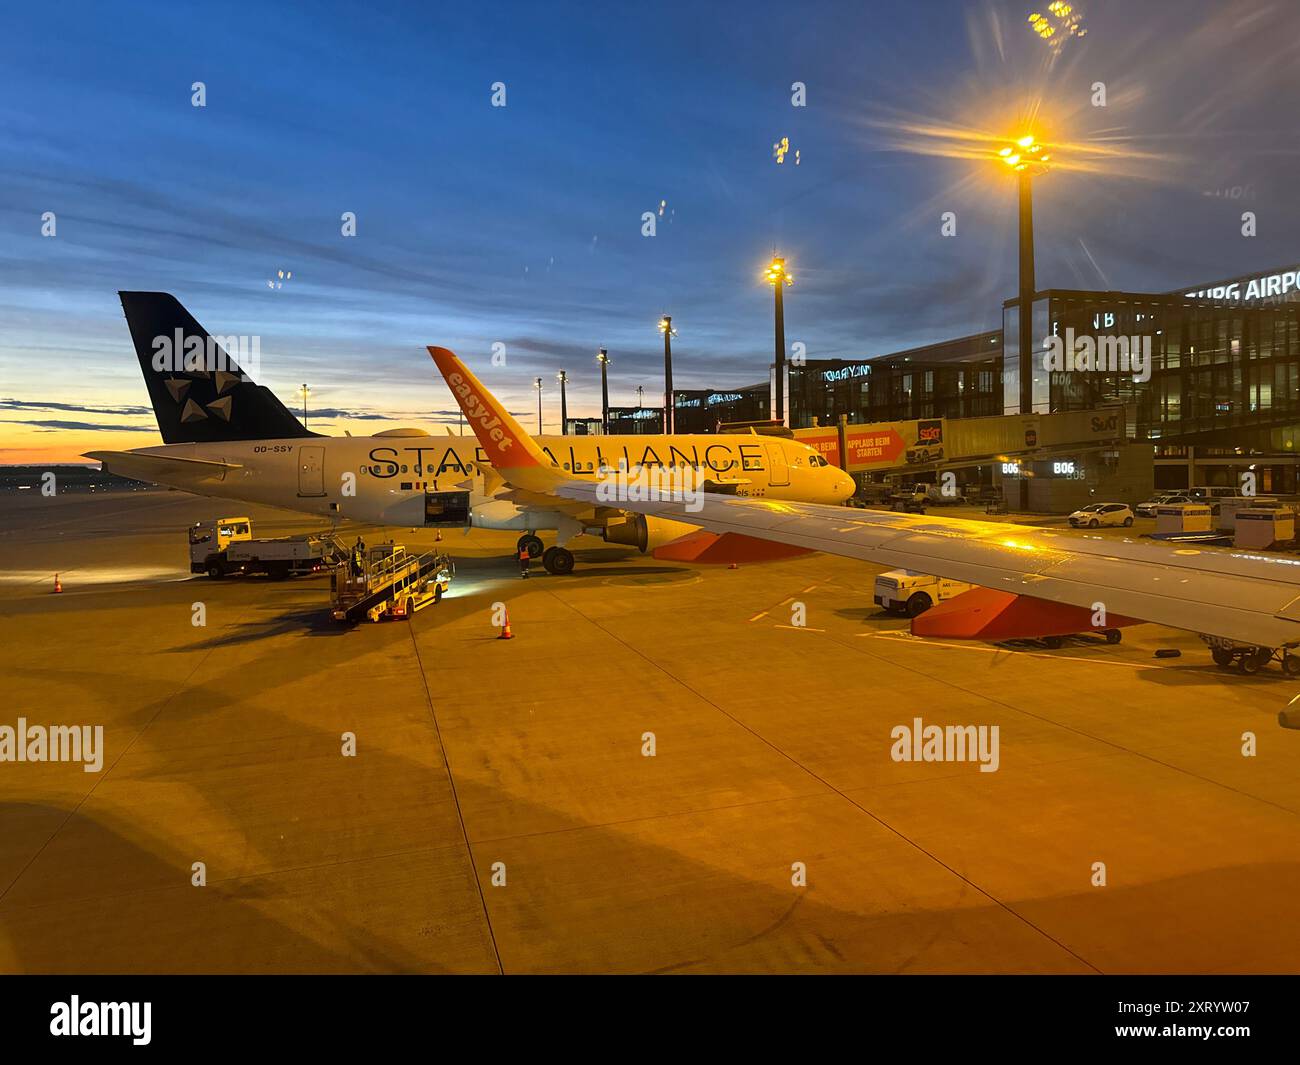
[778, 471]
[311, 471]
[447, 510]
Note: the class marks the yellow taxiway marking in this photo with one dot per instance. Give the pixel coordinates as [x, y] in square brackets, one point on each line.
[787, 599]
[797, 628]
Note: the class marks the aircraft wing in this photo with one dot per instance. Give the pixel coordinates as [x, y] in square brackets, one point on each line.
[1237, 595]
[159, 468]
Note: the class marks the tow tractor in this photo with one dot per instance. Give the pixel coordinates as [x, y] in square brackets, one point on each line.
[226, 545]
[1251, 659]
[388, 581]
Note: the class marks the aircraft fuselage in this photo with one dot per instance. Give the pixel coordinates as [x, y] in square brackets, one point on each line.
[383, 479]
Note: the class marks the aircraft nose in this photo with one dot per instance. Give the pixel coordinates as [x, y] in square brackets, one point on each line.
[844, 488]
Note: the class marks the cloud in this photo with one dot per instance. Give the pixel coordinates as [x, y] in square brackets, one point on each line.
[9, 403]
[97, 427]
[353, 415]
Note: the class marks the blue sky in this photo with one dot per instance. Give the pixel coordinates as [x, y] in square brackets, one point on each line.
[521, 225]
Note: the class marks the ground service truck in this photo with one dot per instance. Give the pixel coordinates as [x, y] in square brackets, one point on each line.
[226, 546]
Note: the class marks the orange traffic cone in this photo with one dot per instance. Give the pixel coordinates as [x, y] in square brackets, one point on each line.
[506, 634]
[58, 584]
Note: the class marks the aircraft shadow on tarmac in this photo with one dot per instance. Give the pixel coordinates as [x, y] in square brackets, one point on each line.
[865, 613]
[155, 921]
[108, 895]
[123, 903]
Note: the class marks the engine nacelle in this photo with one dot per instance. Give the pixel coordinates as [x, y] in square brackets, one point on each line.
[645, 534]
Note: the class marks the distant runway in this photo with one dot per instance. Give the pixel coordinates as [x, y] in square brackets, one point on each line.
[501, 813]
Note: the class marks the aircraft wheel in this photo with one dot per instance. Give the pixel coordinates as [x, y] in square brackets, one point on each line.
[532, 542]
[1253, 661]
[558, 561]
[918, 604]
[1222, 657]
[1114, 636]
[1291, 665]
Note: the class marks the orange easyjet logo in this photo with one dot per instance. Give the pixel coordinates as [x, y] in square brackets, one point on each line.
[476, 411]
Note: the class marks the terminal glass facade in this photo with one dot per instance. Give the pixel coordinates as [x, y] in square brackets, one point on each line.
[1217, 370]
[958, 379]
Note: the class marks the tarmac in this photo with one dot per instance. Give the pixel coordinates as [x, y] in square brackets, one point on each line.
[503, 812]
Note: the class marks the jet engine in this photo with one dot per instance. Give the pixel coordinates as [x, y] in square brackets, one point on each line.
[645, 534]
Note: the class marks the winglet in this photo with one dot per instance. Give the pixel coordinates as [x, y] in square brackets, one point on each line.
[512, 452]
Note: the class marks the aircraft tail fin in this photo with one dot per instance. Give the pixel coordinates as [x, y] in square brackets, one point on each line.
[198, 390]
[511, 451]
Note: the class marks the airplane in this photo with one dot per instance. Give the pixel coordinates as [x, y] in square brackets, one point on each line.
[1028, 582]
[228, 437]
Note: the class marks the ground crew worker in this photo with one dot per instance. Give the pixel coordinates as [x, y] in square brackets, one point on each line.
[524, 559]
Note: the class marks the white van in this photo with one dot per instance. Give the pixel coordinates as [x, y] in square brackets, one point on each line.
[1217, 496]
[903, 591]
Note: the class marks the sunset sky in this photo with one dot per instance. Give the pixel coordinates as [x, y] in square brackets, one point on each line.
[522, 224]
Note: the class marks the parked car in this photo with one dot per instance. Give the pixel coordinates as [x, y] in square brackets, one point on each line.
[1102, 514]
[1147, 509]
[928, 495]
[1214, 496]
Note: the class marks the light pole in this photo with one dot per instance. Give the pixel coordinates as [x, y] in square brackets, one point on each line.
[538, 385]
[1027, 158]
[602, 357]
[666, 327]
[563, 378]
[639, 390]
[305, 393]
[777, 276]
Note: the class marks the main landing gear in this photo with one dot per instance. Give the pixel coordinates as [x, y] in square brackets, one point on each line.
[556, 560]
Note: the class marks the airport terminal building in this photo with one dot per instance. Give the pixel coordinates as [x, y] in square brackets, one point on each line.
[1207, 378]
[1218, 388]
